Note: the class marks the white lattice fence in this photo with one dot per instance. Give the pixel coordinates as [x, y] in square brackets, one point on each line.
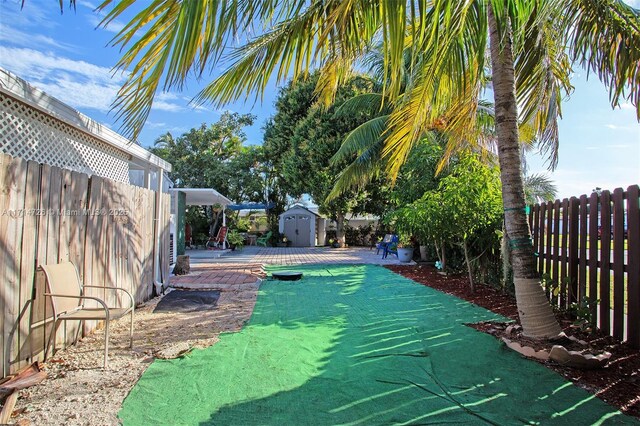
[30, 134]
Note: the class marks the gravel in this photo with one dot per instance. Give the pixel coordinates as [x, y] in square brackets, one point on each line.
[78, 391]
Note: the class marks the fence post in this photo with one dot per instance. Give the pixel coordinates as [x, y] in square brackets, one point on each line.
[633, 263]
[573, 250]
[582, 254]
[593, 257]
[564, 253]
[556, 245]
[605, 261]
[541, 247]
[618, 263]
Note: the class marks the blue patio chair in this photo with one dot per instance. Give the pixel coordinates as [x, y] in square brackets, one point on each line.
[387, 245]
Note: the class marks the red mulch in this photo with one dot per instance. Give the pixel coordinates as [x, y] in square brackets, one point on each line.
[618, 383]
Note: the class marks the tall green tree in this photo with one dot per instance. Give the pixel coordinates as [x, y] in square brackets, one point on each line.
[532, 45]
[215, 156]
[304, 136]
[471, 197]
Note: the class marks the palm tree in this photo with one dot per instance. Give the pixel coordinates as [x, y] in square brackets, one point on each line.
[169, 40]
[539, 188]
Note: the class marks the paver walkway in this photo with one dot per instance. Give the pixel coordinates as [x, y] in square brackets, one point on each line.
[235, 268]
[223, 275]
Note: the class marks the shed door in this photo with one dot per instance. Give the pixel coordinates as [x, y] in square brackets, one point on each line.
[303, 233]
[290, 228]
[297, 228]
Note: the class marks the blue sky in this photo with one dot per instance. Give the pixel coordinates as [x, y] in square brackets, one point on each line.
[67, 57]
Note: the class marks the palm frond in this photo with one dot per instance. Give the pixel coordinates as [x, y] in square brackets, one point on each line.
[360, 140]
[287, 50]
[361, 171]
[169, 39]
[369, 103]
[539, 188]
[604, 37]
[542, 78]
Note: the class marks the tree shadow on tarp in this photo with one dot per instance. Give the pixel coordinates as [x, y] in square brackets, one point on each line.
[358, 345]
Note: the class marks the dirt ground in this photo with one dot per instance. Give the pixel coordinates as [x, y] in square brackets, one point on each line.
[79, 392]
[617, 384]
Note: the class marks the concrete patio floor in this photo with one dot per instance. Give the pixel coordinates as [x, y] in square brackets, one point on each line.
[229, 270]
[293, 256]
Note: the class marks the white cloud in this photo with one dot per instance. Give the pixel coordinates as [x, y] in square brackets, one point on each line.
[164, 128]
[87, 4]
[166, 106]
[153, 125]
[30, 16]
[82, 95]
[114, 26]
[163, 102]
[34, 64]
[616, 127]
[78, 83]
[16, 37]
[627, 105]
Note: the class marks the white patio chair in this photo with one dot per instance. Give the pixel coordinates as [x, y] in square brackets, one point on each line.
[66, 291]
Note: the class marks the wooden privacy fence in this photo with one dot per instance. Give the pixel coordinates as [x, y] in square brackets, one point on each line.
[51, 215]
[590, 248]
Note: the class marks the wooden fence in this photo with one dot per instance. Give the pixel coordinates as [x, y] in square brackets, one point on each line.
[590, 247]
[51, 215]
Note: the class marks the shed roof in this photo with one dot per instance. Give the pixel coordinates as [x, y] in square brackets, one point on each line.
[299, 207]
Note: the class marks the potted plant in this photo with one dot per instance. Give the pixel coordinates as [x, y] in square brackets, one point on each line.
[236, 241]
[333, 243]
[405, 248]
[282, 240]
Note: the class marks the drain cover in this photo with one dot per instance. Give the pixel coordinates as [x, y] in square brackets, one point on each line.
[287, 275]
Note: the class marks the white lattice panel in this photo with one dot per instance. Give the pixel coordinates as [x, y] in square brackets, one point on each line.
[32, 135]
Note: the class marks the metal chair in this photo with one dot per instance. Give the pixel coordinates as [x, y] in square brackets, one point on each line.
[221, 238]
[66, 291]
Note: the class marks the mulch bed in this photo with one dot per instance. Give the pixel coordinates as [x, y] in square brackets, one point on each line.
[618, 383]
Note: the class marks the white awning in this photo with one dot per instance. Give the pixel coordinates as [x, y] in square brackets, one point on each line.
[203, 197]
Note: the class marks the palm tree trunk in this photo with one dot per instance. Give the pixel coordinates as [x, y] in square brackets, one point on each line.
[506, 259]
[536, 315]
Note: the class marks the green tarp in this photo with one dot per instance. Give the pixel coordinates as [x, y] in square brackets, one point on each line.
[359, 345]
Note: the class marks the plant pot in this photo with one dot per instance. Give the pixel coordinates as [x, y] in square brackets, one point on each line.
[405, 254]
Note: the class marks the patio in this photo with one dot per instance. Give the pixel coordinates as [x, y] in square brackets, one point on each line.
[294, 256]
